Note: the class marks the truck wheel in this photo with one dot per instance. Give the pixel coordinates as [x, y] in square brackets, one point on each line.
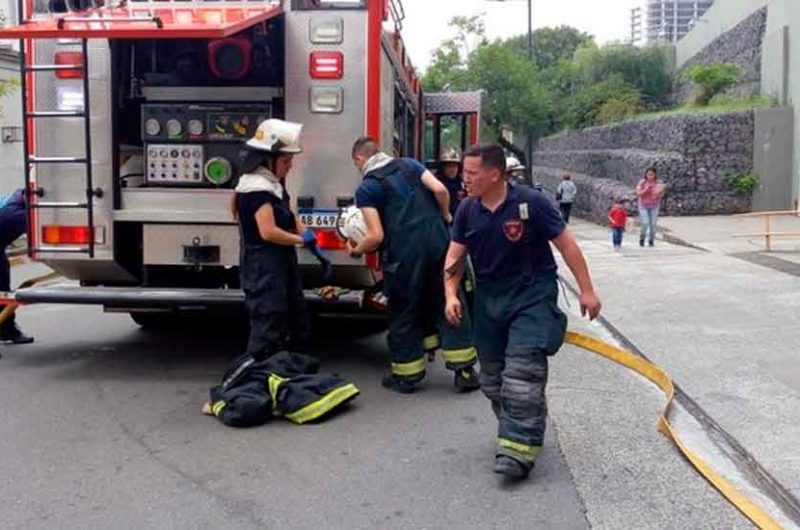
[153, 321]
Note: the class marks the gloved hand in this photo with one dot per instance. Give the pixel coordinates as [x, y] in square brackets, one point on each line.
[309, 238]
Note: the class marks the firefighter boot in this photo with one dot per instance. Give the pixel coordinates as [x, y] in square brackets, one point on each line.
[511, 468]
[11, 334]
[466, 380]
[403, 385]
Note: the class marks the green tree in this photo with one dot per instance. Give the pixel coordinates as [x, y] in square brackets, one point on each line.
[552, 45]
[513, 97]
[646, 69]
[712, 79]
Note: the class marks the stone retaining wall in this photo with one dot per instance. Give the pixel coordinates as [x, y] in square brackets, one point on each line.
[692, 154]
[742, 46]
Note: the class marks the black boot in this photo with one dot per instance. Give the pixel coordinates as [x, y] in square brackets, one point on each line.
[10, 333]
[505, 465]
[403, 385]
[466, 380]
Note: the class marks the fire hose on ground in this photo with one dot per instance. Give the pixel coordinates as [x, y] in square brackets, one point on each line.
[618, 355]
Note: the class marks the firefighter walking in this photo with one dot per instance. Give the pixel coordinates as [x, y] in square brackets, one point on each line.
[405, 211]
[269, 232]
[507, 231]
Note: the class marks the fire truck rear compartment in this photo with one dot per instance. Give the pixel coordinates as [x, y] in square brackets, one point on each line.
[182, 110]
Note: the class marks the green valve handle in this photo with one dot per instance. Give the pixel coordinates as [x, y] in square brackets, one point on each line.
[218, 170]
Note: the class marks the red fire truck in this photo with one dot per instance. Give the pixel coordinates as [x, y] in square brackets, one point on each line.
[135, 115]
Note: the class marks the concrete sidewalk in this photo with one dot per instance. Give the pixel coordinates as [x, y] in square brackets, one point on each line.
[720, 319]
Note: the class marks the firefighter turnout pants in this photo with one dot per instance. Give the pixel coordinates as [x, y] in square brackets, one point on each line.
[417, 324]
[274, 299]
[517, 326]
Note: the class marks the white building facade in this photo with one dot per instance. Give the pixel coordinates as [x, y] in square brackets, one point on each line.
[660, 21]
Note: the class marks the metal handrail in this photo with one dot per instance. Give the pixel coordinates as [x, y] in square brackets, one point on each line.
[62, 22]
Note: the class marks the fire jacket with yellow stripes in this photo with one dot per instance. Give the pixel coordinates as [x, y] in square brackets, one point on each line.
[285, 385]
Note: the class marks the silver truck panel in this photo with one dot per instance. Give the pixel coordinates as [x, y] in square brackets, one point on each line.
[65, 137]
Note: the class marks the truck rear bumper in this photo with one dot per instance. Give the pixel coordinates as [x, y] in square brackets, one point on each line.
[141, 298]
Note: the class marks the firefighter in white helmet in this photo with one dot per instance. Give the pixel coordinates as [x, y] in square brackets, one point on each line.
[515, 170]
[269, 233]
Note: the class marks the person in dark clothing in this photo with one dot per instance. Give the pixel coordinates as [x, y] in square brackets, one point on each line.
[507, 231]
[449, 174]
[406, 211]
[13, 223]
[269, 232]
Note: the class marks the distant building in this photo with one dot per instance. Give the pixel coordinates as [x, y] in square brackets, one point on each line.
[665, 20]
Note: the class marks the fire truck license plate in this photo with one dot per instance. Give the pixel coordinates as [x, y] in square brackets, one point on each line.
[319, 218]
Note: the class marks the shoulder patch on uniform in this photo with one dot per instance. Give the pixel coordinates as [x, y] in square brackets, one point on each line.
[513, 229]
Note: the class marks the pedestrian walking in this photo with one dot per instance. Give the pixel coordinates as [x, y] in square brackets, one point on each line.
[269, 233]
[406, 210]
[565, 195]
[507, 231]
[650, 191]
[13, 223]
[617, 217]
[449, 173]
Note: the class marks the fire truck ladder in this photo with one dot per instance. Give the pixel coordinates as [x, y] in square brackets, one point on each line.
[31, 114]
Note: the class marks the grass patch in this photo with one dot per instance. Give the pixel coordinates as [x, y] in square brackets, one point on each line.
[719, 105]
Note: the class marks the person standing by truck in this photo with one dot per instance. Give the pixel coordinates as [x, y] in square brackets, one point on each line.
[507, 231]
[406, 211]
[13, 223]
[269, 233]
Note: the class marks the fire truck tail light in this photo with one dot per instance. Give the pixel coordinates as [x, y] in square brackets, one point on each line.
[326, 30]
[326, 99]
[326, 65]
[69, 97]
[71, 235]
[329, 240]
[71, 59]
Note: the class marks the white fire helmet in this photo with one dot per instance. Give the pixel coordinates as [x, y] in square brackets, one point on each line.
[513, 164]
[277, 136]
[351, 224]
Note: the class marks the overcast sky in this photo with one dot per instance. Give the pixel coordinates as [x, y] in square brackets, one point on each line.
[426, 20]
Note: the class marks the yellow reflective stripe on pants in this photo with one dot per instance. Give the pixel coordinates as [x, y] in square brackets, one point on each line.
[314, 410]
[527, 452]
[464, 355]
[431, 342]
[217, 407]
[275, 381]
[412, 368]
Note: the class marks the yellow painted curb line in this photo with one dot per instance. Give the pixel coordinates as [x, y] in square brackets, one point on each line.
[660, 378]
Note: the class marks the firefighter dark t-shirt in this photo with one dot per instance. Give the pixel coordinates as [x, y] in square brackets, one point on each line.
[496, 240]
[249, 204]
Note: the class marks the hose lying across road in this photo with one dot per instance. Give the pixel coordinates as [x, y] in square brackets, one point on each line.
[657, 376]
[620, 356]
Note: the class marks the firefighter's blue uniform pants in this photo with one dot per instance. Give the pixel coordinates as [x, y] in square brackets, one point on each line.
[517, 326]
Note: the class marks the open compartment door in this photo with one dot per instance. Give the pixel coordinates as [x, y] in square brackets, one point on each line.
[146, 23]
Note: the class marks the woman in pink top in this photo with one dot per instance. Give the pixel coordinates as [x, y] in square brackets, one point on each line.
[650, 192]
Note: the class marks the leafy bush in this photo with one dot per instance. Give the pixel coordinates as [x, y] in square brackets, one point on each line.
[6, 88]
[712, 79]
[745, 183]
[619, 108]
[584, 108]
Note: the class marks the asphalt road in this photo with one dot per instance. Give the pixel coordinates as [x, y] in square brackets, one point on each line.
[101, 428]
